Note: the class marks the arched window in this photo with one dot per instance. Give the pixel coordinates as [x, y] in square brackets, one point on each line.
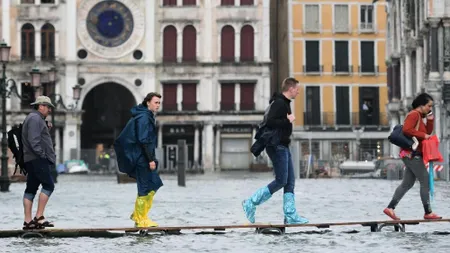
[27, 42]
[189, 44]
[227, 44]
[170, 44]
[48, 42]
[247, 43]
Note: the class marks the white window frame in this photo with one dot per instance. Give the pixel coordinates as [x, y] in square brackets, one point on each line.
[317, 29]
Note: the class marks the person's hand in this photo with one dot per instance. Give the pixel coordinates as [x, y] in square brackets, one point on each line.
[430, 116]
[427, 136]
[49, 125]
[152, 165]
[291, 117]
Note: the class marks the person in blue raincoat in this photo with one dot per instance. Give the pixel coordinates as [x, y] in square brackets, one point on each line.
[135, 153]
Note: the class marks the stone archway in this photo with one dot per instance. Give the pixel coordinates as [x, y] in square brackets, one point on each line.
[106, 111]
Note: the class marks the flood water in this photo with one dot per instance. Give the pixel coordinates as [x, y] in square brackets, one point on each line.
[99, 201]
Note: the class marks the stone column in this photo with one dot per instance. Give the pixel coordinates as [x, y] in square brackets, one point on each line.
[179, 45]
[208, 33]
[265, 57]
[196, 145]
[237, 96]
[416, 17]
[419, 68]
[425, 52]
[149, 54]
[398, 23]
[37, 43]
[217, 148]
[446, 54]
[57, 54]
[254, 129]
[402, 78]
[72, 135]
[6, 25]
[208, 147]
[404, 20]
[71, 31]
[437, 112]
[179, 97]
[441, 49]
[160, 135]
[237, 46]
[408, 74]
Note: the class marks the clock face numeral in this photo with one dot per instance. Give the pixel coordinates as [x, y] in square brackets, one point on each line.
[110, 23]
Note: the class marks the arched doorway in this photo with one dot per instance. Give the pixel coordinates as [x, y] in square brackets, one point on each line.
[106, 112]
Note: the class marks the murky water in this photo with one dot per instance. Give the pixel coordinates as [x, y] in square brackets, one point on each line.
[98, 201]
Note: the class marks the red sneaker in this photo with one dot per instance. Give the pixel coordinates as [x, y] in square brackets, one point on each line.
[390, 212]
[432, 216]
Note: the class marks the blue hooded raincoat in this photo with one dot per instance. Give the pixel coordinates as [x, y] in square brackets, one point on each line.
[135, 148]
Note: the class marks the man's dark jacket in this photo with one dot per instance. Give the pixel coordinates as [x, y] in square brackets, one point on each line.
[275, 129]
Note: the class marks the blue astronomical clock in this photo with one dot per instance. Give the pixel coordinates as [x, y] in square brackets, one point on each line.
[110, 23]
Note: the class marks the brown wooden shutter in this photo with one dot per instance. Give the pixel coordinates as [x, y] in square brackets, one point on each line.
[247, 43]
[227, 2]
[170, 3]
[247, 96]
[227, 97]
[189, 2]
[189, 44]
[169, 97]
[170, 44]
[189, 96]
[246, 2]
[227, 44]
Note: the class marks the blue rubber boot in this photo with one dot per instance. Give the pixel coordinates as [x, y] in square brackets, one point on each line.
[259, 197]
[290, 213]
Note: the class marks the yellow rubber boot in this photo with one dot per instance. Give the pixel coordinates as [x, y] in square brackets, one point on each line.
[133, 216]
[150, 203]
[141, 208]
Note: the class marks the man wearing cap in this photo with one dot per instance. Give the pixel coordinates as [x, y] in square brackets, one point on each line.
[39, 155]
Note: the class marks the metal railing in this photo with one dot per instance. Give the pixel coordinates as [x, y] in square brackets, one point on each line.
[331, 119]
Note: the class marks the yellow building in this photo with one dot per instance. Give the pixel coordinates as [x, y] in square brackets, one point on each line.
[337, 52]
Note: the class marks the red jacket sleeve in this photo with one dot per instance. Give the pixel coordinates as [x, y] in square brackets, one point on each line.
[409, 126]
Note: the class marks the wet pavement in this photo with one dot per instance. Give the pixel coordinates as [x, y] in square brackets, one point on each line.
[82, 201]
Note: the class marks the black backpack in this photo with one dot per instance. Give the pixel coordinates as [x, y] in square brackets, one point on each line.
[16, 146]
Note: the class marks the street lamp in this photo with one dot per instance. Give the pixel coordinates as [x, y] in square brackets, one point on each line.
[4, 58]
[7, 88]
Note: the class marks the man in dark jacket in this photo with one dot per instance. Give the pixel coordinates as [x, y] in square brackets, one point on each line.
[279, 118]
[38, 155]
[135, 152]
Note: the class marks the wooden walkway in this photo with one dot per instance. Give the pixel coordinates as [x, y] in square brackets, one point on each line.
[375, 226]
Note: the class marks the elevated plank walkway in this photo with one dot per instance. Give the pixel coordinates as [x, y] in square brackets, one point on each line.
[375, 226]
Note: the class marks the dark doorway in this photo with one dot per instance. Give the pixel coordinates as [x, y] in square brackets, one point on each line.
[369, 109]
[106, 112]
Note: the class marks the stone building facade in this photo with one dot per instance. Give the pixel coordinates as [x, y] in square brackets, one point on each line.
[209, 59]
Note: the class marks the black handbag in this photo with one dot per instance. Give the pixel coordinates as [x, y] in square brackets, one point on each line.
[399, 139]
